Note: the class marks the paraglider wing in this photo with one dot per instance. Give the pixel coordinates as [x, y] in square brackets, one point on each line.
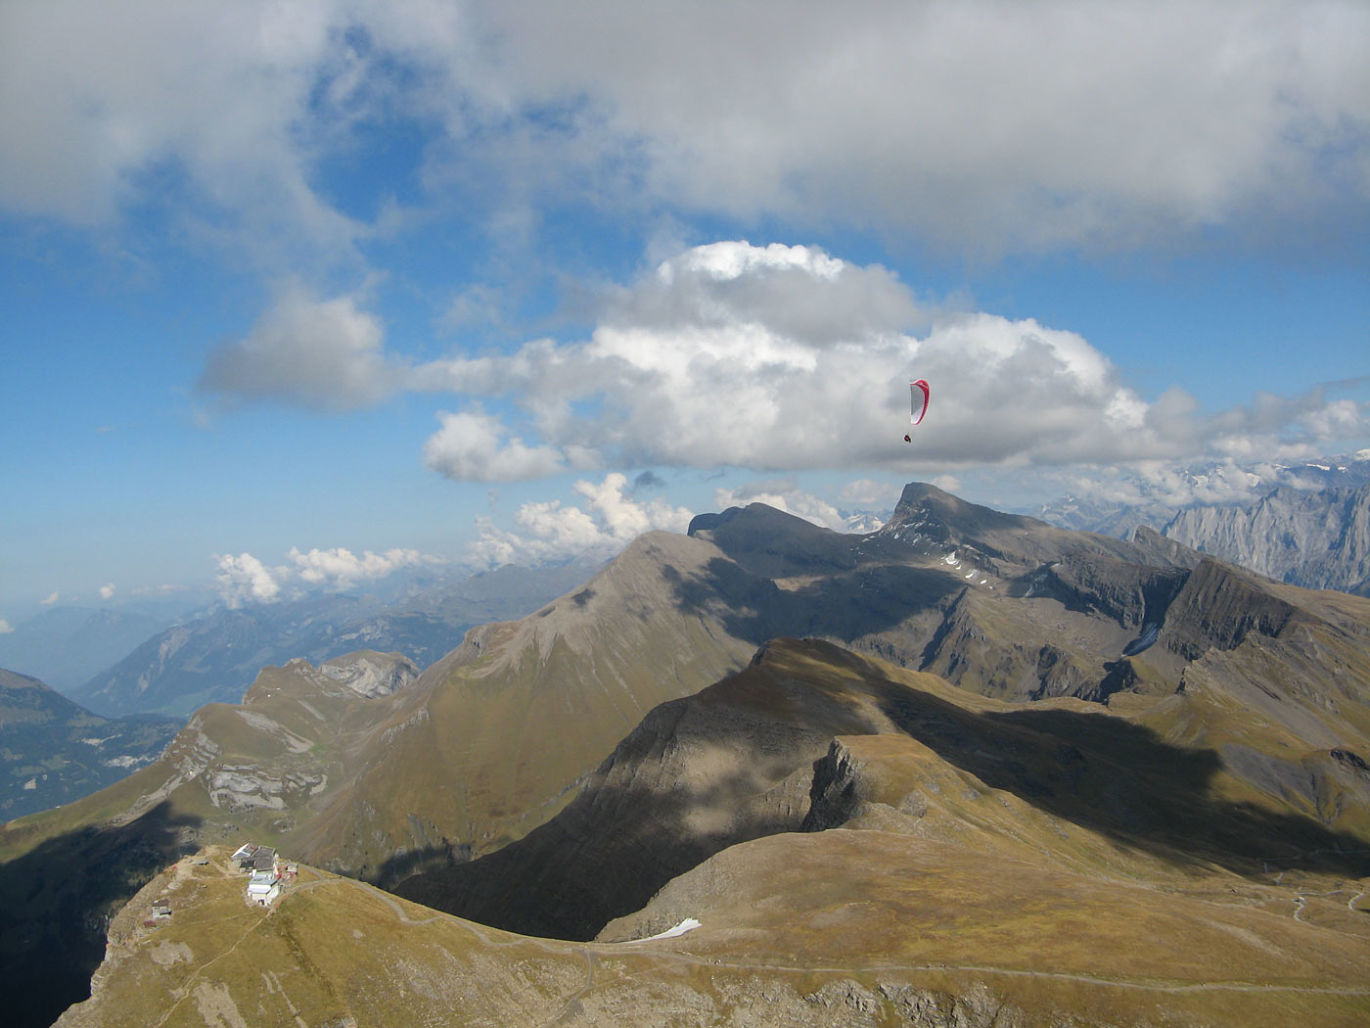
[919, 394]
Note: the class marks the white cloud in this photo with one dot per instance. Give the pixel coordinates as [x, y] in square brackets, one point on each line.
[5, 627]
[245, 579]
[949, 120]
[325, 354]
[947, 483]
[341, 569]
[107, 591]
[50, 599]
[171, 105]
[984, 126]
[477, 447]
[551, 531]
[787, 359]
[1162, 485]
[869, 496]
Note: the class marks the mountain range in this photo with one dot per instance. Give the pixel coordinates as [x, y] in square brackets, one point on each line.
[1309, 524]
[64, 646]
[1136, 500]
[53, 751]
[969, 766]
[1319, 539]
[214, 656]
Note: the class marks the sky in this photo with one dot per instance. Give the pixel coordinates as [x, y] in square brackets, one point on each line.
[297, 293]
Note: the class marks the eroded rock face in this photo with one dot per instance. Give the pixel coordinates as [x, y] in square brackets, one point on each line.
[372, 674]
[1318, 539]
[246, 787]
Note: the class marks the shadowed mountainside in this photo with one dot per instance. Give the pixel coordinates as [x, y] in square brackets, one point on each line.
[748, 756]
[56, 901]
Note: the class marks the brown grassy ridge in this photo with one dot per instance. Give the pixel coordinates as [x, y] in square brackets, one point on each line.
[839, 927]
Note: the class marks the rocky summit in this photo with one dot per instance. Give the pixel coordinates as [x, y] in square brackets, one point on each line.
[968, 769]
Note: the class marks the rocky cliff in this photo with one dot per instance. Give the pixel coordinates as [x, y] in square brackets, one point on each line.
[1319, 539]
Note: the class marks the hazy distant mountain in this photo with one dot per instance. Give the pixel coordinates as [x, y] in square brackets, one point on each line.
[53, 751]
[1225, 730]
[862, 522]
[1319, 538]
[215, 657]
[1155, 503]
[64, 646]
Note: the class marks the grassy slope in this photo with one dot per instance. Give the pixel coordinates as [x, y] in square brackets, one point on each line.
[968, 884]
[956, 918]
[492, 739]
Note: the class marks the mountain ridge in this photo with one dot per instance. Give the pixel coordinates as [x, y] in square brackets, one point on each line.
[214, 656]
[500, 737]
[930, 883]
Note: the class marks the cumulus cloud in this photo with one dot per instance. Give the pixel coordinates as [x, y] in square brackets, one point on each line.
[869, 494]
[478, 447]
[944, 120]
[787, 359]
[51, 598]
[605, 521]
[107, 591]
[947, 118]
[5, 627]
[1159, 486]
[159, 104]
[244, 579]
[326, 354]
[340, 569]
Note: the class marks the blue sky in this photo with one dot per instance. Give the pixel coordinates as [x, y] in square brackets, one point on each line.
[297, 293]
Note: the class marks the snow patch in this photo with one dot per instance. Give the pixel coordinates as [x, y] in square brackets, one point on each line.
[688, 925]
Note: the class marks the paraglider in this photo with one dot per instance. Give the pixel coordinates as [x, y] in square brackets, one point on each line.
[919, 394]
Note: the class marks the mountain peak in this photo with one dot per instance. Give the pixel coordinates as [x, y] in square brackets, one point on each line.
[922, 501]
[755, 517]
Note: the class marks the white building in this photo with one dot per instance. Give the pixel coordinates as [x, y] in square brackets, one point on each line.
[263, 888]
